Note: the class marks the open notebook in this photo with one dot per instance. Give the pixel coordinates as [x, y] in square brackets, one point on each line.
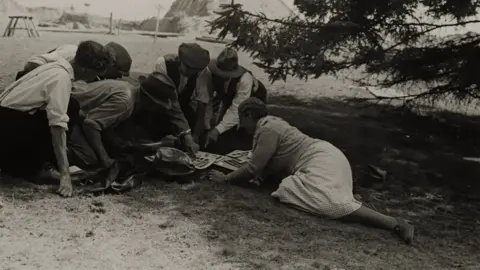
[234, 160]
[231, 161]
[202, 161]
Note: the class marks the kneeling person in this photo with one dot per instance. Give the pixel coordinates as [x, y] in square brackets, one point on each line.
[188, 70]
[105, 103]
[232, 84]
[155, 115]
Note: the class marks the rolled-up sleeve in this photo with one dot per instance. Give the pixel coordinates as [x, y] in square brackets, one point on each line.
[266, 143]
[204, 87]
[244, 91]
[160, 66]
[58, 89]
[177, 118]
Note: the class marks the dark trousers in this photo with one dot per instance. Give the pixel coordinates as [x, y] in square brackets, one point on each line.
[230, 141]
[26, 141]
[234, 139]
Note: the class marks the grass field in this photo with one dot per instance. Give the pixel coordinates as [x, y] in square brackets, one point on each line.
[200, 225]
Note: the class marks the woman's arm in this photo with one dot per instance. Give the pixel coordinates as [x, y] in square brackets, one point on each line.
[266, 146]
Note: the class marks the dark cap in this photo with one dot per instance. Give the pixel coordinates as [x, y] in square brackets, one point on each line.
[193, 55]
[120, 56]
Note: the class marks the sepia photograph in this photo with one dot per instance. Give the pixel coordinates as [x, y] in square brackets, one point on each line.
[239, 134]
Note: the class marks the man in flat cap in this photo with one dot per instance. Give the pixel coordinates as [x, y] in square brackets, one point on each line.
[188, 70]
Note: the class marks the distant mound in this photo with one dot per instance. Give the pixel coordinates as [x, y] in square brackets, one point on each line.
[187, 16]
[67, 18]
[84, 20]
[45, 14]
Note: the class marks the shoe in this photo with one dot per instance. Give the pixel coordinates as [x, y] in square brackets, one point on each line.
[404, 230]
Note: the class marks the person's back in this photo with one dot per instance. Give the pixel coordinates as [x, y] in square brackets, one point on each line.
[291, 139]
[66, 51]
[24, 94]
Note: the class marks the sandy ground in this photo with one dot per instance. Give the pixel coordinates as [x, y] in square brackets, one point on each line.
[199, 225]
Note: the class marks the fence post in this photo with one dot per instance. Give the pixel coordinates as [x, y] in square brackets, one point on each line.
[111, 24]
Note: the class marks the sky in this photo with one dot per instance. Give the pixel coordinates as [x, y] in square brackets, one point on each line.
[122, 9]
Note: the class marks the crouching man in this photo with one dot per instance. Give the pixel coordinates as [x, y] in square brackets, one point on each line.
[189, 73]
[156, 115]
[232, 84]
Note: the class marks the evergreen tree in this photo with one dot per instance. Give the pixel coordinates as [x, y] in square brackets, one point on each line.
[393, 41]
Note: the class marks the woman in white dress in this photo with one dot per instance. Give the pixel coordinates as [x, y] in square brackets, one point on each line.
[317, 177]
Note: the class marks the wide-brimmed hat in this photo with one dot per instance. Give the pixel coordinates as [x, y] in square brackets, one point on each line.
[121, 57]
[193, 55]
[226, 65]
[173, 162]
[158, 87]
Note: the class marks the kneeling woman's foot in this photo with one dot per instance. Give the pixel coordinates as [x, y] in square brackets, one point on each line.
[404, 230]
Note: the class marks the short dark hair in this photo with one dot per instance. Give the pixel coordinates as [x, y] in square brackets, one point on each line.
[253, 107]
[119, 57]
[92, 55]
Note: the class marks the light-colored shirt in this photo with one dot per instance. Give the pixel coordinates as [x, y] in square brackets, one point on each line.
[66, 51]
[244, 90]
[47, 87]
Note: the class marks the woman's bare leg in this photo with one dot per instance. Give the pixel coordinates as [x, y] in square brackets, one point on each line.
[369, 217]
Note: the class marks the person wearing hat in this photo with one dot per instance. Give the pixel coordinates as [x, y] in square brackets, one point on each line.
[232, 84]
[155, 116]
[188, 70]
[37, 113]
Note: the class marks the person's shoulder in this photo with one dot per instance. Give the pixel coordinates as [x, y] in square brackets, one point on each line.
[54, 73]
[273, 123]
[247, 77]
[54, 69]
[67, 51]
[70, 47]
[268, 123]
